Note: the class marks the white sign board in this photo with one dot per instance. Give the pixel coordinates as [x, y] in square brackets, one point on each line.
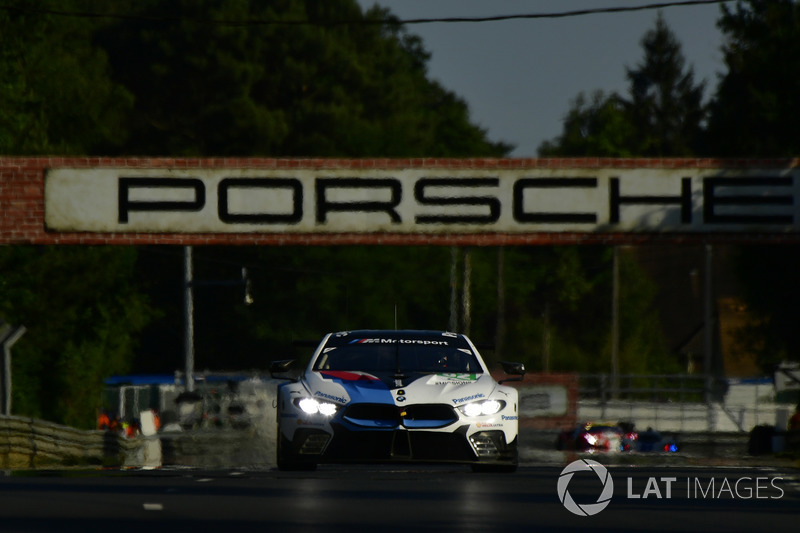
[543, 400]
[419, 200]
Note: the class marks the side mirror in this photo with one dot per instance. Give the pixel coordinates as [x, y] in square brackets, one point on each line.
[514, 369]
[281, 369]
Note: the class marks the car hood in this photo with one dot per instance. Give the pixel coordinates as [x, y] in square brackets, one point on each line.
[345, 387]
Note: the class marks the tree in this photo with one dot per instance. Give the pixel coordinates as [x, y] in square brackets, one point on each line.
[600, 128]
[753, 115]
[56, 97]
[753, 111]
[665, 106]
[206, 87]
[664, 114]
[82, 316]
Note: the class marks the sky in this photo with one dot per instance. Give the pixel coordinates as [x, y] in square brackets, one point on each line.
[519, 77]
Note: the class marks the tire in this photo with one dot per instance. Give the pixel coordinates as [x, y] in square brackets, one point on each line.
[760, 441]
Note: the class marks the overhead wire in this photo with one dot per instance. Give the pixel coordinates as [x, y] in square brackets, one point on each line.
[392, 20]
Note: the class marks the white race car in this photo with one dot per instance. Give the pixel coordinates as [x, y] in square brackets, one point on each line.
[396, 396]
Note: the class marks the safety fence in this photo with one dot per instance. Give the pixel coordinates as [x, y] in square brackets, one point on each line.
[682, 402]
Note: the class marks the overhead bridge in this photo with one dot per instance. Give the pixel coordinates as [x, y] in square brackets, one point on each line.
[472, 201]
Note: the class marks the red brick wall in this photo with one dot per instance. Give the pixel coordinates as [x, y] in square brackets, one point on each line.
[22, 201]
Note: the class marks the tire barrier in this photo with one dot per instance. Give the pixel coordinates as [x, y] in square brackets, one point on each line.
[31, 443]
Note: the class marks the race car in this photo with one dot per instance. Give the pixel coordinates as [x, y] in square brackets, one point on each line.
[596, 437]
[651, 440]
[396, 396]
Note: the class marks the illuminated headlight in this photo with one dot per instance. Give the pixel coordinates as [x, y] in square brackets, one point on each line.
[312, 406]
[486, 407]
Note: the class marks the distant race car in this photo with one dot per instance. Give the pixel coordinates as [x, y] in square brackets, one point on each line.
[651, 440]
[396, 396]
[596, 437]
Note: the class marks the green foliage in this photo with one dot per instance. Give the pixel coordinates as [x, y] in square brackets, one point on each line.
[600, 128]
[299, 293]
[282, 89]
[753, 114]
[771, 297]
[303, 292]
[666, 106]
[663, 115]
[754, 109]
[82, 316]
[55, 94]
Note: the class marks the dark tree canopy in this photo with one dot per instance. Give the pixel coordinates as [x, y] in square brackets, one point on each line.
[663, 114]
[753, 114]
[755, 107]
[665, 106]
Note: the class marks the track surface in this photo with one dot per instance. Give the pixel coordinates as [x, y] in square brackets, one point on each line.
[397, 498]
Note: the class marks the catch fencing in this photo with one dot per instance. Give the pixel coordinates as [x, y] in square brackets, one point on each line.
[685, 403]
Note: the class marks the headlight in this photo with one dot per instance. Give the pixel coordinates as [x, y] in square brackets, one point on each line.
[312, 406]
[486, 407]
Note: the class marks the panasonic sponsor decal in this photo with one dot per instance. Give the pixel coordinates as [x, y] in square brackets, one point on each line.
[331, 397]
[478, 396]
[419, 200]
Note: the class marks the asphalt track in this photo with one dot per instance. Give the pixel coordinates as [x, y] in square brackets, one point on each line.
[405, 499]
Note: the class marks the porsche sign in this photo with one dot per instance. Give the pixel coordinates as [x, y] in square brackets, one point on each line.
[419, 200]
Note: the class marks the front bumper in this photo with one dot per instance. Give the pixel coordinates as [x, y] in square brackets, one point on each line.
[399, 445]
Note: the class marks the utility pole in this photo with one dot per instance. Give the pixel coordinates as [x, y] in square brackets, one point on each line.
[500, 332]
[466, 296]
[8, 336]
[453, 325]
[546, 338]
[188, 309]
[615, 324]
[708, 339]
[188, 316]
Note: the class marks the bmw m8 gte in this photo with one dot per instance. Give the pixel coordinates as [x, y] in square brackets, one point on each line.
[396, 396]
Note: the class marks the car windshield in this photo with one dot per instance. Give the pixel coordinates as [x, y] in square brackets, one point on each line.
[398, 357]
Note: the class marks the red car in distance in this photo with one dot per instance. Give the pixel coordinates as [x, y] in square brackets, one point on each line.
[596, 437]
